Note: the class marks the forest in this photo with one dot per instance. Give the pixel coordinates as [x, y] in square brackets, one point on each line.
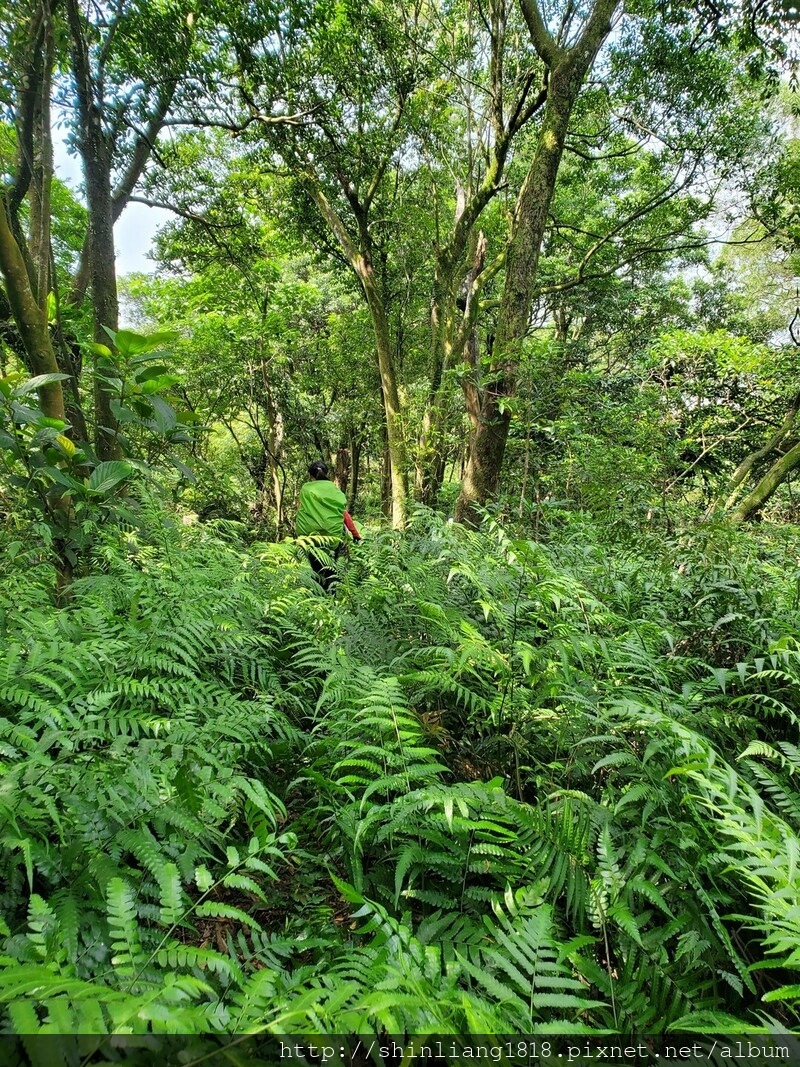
[524, 274]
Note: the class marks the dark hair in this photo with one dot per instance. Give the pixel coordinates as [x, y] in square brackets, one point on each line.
[318, 469]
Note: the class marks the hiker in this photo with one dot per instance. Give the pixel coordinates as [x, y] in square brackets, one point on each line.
[322, 511]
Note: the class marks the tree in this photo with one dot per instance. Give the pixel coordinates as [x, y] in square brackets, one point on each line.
[499, 97]
[365, 110]
[276, 345]
[718, 391]
[348, 85]
[126, 66]
[568, 66]
[697, 86]
[777, 210]
[25, 260]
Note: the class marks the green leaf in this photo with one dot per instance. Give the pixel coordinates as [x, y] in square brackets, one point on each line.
[32, 384]
[106, 475]
[146, 373]
[159, 383]
[171, 897]
[25, 416]
[101, 350]
[203, 878]
[60, 477]
[721, 675]
[124, 414]
[129, 343]
[788, 993]
[163, 416]
[8, 384]
[181, 467]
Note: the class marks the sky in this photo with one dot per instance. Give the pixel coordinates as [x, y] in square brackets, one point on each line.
[133, 236]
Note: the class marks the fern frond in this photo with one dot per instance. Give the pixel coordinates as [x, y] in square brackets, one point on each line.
[123, 927]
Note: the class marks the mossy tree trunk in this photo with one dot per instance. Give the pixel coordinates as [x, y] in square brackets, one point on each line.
[359, 253]
[459, 273]
[96, 151]
[752, 504]
[30, 319]
[568, 69]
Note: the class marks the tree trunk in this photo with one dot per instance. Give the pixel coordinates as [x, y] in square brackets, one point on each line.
[360, 259]
[70, 362]
[341, 468]
[486, 450]
[488, 441]
[273, 444]
[454, 300]
[568, 70]
[96, 152]
[143, 149]
[442, 328]
[42, 168]
[33, 178]
[451, 340]
[386, 478]
[278, 472]
[742, 472]
[395, 443]
[355, 453]
[764, 489]
[30, 319]
[31, 322]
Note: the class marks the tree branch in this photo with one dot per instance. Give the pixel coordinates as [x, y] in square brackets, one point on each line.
[543, 41]
[183, 213]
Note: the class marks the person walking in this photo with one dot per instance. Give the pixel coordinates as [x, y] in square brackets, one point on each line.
[321, 515]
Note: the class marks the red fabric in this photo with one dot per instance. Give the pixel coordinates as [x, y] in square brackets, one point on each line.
[351, 526]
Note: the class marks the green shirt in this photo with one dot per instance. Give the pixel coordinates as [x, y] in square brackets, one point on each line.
[321, 509]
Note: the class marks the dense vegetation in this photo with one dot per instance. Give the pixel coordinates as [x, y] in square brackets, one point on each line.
[552, 782]
[552, 779]
[519, 274]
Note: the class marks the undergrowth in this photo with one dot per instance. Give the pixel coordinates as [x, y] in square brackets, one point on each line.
[489, 786]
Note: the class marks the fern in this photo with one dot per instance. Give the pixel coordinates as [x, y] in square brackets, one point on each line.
[519, 756]
[122, 920]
